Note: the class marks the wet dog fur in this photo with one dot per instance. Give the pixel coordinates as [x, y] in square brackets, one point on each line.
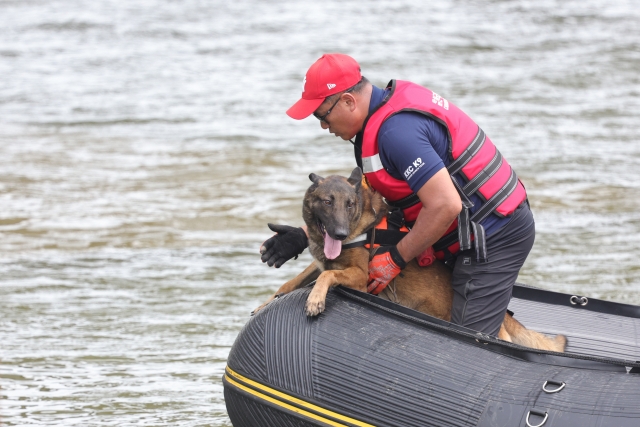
[344, 208]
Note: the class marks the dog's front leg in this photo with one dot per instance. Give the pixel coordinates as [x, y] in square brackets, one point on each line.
[352, 277]
[309, 274]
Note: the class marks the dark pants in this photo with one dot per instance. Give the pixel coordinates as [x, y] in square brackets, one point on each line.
[482, 290]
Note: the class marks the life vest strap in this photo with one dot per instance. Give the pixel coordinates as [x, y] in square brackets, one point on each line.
[405, 203]
[464, 223]
[446, 241]
[481, 242]
[468, 153]
[464, 231]
[479, 180]
[497, 199]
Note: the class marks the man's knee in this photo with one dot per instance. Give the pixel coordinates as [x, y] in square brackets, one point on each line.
[480, 306]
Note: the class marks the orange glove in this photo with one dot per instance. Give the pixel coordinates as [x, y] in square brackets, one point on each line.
[385, 265]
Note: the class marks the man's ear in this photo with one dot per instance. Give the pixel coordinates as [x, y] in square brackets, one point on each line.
[351, 101]
[356, 178]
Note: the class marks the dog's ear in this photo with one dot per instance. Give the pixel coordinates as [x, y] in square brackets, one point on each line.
[356, 178]
[315, 178]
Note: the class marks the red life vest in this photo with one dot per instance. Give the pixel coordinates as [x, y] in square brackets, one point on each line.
[471, 153]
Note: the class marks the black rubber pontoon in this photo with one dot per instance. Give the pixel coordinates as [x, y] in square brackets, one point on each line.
[369, 362]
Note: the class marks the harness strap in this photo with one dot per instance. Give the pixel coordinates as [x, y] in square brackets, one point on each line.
[388, 237]
[376, 236]
[395, 219]
[360, 240]
[372, 239]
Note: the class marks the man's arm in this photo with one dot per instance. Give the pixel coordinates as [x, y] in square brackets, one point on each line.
[441, 205]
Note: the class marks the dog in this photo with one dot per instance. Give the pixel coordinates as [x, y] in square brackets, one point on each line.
[338, 209]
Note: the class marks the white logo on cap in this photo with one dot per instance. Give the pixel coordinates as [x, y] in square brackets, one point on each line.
[331, 85]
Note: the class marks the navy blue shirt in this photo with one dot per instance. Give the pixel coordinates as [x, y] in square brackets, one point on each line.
[413, 147]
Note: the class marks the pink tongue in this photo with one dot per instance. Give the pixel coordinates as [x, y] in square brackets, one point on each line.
[332, 247]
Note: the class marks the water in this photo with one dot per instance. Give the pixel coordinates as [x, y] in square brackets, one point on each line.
[144, 147]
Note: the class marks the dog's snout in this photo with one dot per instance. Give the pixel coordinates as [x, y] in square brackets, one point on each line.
[341, 235]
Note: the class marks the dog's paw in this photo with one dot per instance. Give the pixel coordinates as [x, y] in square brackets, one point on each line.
[314, 306]
[256, 310]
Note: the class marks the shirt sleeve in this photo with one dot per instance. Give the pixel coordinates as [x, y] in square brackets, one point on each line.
[412, 148]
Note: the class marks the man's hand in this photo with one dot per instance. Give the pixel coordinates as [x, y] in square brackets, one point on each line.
[385, 265]
[289, 242]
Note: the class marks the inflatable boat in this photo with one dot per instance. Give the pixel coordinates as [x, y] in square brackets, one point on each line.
[369, 362]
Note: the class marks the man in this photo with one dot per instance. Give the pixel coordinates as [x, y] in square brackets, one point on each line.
[429, 159]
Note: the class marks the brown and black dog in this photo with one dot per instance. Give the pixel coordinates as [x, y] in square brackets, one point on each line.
[338, 209]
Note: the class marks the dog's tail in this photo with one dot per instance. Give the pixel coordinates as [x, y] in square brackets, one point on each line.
[518, 334]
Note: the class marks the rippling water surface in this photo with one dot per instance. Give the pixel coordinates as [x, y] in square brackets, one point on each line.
[144, 146]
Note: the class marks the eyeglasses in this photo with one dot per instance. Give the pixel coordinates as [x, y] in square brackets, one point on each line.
[323, 118]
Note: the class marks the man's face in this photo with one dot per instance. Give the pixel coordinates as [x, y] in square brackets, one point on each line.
[337, 115]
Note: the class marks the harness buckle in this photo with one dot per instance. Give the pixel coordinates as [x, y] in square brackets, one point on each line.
[395, 219]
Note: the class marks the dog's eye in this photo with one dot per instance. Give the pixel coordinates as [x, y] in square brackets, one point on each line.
[349, 205]
[328, 202]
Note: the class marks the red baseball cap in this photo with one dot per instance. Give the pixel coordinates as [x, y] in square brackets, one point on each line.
[332, 73]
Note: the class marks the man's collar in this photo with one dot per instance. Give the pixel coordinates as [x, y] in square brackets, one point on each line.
[377, 96]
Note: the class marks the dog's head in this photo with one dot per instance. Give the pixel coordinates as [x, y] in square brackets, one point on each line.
[332, 208]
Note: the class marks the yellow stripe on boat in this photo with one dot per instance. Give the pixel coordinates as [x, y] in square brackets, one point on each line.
[230, 373]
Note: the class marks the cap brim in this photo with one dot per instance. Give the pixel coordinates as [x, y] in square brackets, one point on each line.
[304, 108]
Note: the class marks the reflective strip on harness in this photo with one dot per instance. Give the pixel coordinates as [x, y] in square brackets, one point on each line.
[360, 240]
[371, 164]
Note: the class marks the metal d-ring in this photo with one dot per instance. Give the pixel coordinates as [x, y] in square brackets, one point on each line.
[560, 385]
[576, 300]
[538, 413]
[483, 336]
